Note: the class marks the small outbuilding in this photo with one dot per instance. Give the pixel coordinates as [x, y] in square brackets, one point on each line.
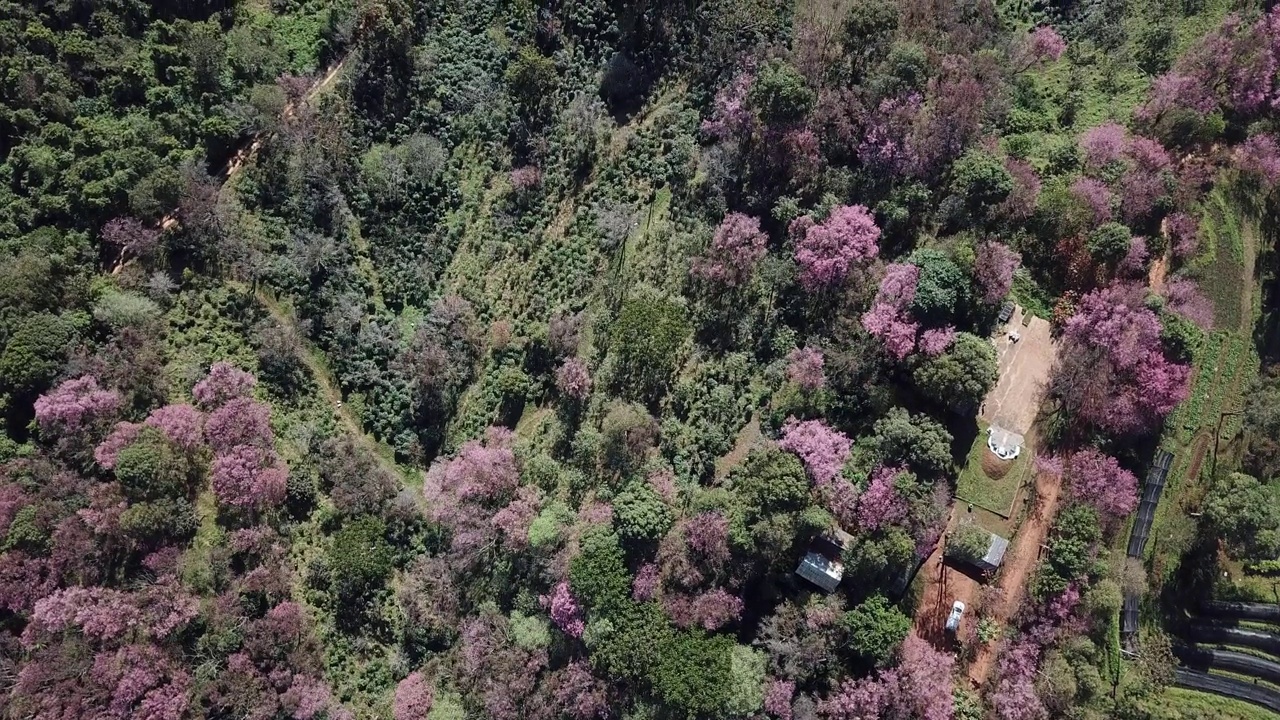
[975, 545]
[822, 565]
[1005, 444]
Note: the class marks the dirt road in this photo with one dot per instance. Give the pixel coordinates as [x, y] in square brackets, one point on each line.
[1019, 562]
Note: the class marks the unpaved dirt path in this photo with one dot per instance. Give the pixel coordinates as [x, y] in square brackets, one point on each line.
[943, 586]
[1018, 564]
[328, 385]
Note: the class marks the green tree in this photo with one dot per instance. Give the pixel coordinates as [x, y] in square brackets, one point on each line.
[151, 468]
[1262, 424]
[1246, 515]
[35, 352]
[532, 80]
[770, 479]
[968, 542]
[360, 558]
[645, 342]
[942, 286]
[962, 376]
[878, 560]
[916, 440]
[780, 94]
[598, 575]
[869, 29]
[981, 179]
[875, 629]
[641, 515]
[1109, 243]
[694, 673]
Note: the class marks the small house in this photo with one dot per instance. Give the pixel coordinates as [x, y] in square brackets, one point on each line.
[822, 565]
[995, 554]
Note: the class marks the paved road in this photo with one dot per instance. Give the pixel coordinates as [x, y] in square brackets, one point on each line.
[1242, 610]
[1229, 687]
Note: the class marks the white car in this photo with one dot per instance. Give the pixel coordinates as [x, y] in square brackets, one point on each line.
[953, 620]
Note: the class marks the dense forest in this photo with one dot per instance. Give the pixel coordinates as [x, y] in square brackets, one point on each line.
[503, 358]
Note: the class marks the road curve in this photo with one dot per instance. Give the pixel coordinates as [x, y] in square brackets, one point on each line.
[1229, 687]
[1231, 661]
[1269, 612]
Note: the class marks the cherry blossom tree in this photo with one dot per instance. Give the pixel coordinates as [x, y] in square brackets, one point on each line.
[935, 341]
[1112, 371]
[886, 143]
[578, 693]
[240, 421]
[1103, 145]
[804, 368]
[1259, 158]
[121, 437]
[1183, 231]
[248, 477]
[1020, 203]
[514, 519]
[830, 250]
[737, 246]
[573, 379]
[1183, 297]
[74, 405]
[1095, 195]
[710, 610]
[182, 424]
[881, 504]
[778, 695]
[223, 383]
[708, 536]
[889, 317]
[731, 117]
[822, 449]
[993, 268]
[647, 582]
[565, 611]
[1098, 480]
[413, 698]
[1042, 45]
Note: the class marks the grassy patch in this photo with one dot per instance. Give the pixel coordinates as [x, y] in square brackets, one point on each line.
[1220, 265]
[996, 494]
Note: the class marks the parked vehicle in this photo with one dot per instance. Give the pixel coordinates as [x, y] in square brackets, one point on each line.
[953, 620]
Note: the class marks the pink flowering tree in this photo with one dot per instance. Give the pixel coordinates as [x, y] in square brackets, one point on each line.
[573, 379]
[1098, 480]
[183, 425]
[890, 316]
[1020, 203]
[121, 437]
[731, 117]
[249, 478]
[565, 610]
[466, 491]
[737, 246]
[1259, 159]
[881, 504]
[993, 268]
[822, 449]
[1042, 45]
[514, 520]
[1112, 371]
[828, 251]
[778, 695]
[886, 143]
[131, 236]
[708, 536]
[1095, 195]
[75, 405]
[578, 693]
[1183, 297]
[647, 583]
[413, 698]
[1103, 145]
[710, 610]
[241, 421]
[1145, 183]
[935, 341]
[805, 369]
[920, 687]
[1183, 231]
[223, 383]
